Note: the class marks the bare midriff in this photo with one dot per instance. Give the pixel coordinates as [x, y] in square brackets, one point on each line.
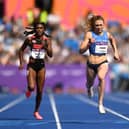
[96, 59]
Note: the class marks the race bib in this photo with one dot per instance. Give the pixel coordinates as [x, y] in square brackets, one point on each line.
[38, 54]
[101, 49]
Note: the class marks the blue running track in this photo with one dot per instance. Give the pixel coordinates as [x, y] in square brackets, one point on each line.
[64, 111]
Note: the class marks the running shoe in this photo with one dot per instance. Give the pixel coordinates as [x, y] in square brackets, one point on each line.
[38, 116]
[101, 109]
[90, 92]
[28, 94]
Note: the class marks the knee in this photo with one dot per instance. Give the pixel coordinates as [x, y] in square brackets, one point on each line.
[101, 81]
[31, 88]
[101, 78]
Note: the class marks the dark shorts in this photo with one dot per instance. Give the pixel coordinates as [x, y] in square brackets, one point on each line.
[95, 66]
[36, 64]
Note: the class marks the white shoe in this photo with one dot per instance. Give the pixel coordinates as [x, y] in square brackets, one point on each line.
[90, 92]
[102, 109]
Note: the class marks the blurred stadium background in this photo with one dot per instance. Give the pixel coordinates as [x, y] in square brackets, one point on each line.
[66, 22]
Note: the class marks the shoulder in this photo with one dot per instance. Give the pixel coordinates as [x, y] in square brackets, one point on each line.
[46, 38]
[30, 37]
[105, 32]
[109, 35]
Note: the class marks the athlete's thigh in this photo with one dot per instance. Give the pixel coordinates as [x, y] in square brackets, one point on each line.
[41, 79]
[90, 74]
[31, 76]
[102, 70]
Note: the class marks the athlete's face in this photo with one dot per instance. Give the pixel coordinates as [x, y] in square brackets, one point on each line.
[98, 26]
[39, 29]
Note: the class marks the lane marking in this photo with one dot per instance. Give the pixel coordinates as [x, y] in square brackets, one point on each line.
[54, 109]
[13, 103]
[95, 104]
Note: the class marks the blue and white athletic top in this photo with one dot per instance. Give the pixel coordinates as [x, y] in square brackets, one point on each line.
[100, 44]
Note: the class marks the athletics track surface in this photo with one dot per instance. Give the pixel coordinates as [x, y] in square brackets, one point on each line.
[64, 111]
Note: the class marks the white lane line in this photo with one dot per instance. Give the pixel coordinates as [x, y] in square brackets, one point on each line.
[54, 109]
[13, 103]
[88, 101]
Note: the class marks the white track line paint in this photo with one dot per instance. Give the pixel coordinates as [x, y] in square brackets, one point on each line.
[88, 101]
[13, 103]
[54, 109]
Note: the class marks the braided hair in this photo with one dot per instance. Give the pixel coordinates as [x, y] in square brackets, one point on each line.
[32, 29]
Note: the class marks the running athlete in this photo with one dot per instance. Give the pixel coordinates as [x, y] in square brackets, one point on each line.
[40, 46]
[96, 40]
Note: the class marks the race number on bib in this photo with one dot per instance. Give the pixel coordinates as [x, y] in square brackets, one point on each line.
[38, 54]
[101, 49]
